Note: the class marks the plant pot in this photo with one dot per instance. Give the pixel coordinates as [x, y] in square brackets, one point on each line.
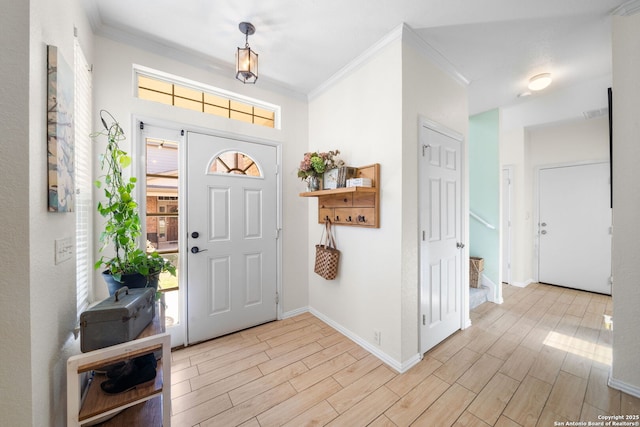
[313, 183]
[132, 280]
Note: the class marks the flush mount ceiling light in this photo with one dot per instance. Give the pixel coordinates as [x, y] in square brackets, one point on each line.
[540, 81]
[246, 59]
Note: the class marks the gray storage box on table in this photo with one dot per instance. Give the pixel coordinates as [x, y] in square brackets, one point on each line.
[117, 319]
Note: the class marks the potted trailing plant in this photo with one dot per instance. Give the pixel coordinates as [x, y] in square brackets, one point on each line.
[129, 266]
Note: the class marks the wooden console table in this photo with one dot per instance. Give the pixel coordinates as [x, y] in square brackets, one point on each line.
[98, 405]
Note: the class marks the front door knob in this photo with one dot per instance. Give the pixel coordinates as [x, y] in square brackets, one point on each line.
[195, 234]
[195, 250]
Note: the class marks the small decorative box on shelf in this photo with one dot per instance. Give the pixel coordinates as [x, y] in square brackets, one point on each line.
[354, 206]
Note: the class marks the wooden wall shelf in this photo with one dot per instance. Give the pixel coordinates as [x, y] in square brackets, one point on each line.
[353, 206]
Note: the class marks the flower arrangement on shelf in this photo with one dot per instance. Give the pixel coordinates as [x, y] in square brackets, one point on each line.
[314, 164]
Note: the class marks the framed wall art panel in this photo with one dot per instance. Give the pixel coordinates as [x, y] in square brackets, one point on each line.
[60, 142]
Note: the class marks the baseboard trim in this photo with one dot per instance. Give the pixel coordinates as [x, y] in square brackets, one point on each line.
[398, 366]
[522, 284]
[492, 296]
[293, 313]
[411, 362]
[622, 386]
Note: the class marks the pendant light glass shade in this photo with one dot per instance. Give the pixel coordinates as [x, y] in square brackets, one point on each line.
[246, 59]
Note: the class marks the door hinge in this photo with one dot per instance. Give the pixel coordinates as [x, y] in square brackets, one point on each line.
[277, 298]
[424, 235]
[424, 319]
[424, 149]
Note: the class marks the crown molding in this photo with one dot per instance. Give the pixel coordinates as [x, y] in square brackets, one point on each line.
[432, 54]
[402, 32]
[393, 35]
[181, 54]
[627, 9]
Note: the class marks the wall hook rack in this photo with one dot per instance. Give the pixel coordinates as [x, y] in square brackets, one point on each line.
[352, 206]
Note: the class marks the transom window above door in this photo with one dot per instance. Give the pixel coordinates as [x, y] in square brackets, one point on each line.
[178, 92]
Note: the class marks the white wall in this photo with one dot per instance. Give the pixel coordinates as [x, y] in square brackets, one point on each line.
[371, 115]
[38, 306]
[513, 153]
[361, 115]
[429, 92]
[579, 140]
[53, 295]
[113, 90]
[626, 204]
[16, 400]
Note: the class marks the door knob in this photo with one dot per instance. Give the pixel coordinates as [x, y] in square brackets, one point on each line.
[195, 234]
[543, 232]
[195, 250]
[544, 224]
[459, 245]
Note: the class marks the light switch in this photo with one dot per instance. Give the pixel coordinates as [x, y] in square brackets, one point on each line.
[64, 249]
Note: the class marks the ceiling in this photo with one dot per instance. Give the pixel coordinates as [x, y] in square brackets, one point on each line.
[496, 45]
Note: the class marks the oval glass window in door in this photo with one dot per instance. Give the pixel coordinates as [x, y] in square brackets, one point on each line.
[234, 162]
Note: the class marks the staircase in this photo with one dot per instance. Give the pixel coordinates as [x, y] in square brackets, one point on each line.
[477, 296]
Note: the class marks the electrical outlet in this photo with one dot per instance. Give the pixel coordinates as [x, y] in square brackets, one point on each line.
[377, 336]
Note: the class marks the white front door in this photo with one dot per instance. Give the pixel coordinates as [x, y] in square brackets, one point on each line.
[232, 235]
[574, 227]
[440, 201]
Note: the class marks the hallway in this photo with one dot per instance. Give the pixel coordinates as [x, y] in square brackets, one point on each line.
[541, 357]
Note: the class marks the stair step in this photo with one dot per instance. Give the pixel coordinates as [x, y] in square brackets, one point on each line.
[477, 296]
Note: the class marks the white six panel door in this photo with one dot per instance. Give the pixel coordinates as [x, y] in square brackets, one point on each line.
[232, 235]
[440, 222]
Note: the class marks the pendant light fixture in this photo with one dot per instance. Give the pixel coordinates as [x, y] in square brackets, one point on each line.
[246, 59]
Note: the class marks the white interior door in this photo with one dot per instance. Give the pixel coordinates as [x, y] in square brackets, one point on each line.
[440, 247]
[506, 225]
[232, 235]
[574, 230]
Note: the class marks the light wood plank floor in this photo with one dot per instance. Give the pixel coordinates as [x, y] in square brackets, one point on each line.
[541, 357]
